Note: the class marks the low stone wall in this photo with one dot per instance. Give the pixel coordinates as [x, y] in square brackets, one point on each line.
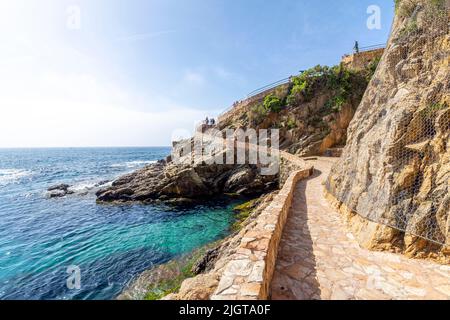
[359, 61]
[248, 275]
[290, 163]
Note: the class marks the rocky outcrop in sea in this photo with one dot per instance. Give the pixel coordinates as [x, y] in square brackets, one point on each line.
[185, 183]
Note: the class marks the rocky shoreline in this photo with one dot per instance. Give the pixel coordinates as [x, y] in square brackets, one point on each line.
[185, 184]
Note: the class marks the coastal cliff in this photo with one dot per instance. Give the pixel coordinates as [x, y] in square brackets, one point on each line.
[312, 114]
[392, 181]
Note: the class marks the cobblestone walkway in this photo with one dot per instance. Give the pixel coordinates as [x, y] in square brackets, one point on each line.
[319, 258]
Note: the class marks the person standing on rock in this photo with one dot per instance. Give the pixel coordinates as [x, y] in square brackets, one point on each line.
[356, 48]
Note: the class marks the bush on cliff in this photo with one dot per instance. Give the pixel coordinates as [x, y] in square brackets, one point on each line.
[342, 82]
[305, 84]
[372, 67]
[273, 104]
[257, 114]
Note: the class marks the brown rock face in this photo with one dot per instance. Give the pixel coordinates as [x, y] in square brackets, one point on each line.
[184, 183]
[395, 169]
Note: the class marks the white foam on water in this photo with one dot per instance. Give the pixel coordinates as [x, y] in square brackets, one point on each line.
[84, 186]
[89, 185]
[132, 164]
[8, 176]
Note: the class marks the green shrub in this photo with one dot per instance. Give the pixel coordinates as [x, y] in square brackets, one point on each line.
[296, 94]
[317, 121]
[344, 84]
[291, 124]
[272, 103]
[372, 67]
[257, 114]
[305, 84]
[335, 104]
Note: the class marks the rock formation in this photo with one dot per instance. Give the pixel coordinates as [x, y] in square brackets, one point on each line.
[59, 191]
[315, 110]
[395, 169]
[185, 183]
[311, 120]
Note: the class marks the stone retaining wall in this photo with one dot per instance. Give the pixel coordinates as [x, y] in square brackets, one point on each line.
[248, 275]
[360, 61]
[290, 163]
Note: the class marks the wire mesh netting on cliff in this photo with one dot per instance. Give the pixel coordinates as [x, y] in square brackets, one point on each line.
[404, 183]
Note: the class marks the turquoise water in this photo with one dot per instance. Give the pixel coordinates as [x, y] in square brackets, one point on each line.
[41, 237]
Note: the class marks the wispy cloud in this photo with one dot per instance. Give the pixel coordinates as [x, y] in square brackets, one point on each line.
[144, 36]
[222, 73]
[194, 78]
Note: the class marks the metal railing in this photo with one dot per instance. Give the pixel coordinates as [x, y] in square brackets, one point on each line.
[370, 48]
[269, 87]
[288, 80]
[257, 92]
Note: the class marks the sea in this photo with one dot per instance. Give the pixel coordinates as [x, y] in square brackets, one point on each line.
[72, 248]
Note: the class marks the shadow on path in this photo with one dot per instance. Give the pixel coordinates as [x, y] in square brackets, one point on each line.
[295, 275]
[319, 258]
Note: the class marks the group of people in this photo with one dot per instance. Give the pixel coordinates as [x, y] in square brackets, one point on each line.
[210, 122]
[236, 103]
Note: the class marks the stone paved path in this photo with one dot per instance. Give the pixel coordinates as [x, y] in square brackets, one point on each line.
[319, 258]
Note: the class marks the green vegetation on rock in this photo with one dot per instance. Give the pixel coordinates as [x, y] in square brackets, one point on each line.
[176, 271]
[430, 111]
[272, 103]
[243, 211]
[304, 85]
[291, 124]
[336, 79]
[372, 67]
[258, 113]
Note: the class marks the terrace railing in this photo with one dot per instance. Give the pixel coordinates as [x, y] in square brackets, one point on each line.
[370, 48]
[269, 87]
[257, 92]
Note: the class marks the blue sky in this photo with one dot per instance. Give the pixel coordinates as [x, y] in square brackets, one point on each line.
[134, 72]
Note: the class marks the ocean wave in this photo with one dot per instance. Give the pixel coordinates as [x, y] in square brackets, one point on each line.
[89, 185]
[132, 164]
[8, 176]
[80, 188]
